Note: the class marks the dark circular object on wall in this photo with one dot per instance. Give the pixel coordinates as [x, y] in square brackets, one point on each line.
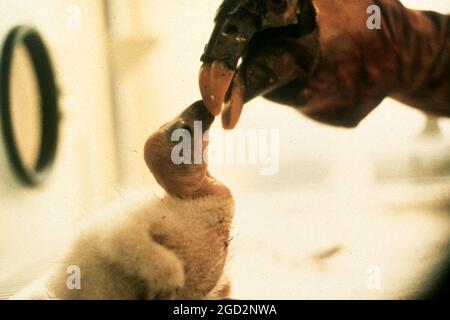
[25, 64]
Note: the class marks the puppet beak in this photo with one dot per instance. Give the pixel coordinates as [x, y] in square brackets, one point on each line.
[231, 36]
[237, 22]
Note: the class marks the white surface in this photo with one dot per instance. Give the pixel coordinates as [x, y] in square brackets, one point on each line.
[278, 236]
[35, 221]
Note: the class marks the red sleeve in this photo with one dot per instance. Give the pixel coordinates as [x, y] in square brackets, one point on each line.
[422, 41]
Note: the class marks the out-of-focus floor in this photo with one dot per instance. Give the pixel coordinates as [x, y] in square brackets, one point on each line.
[319, 243]
[381, 242]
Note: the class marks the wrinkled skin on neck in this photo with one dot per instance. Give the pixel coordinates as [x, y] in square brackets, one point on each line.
[185, 181]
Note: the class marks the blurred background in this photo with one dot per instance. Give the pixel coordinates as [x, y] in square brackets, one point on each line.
[360, 213]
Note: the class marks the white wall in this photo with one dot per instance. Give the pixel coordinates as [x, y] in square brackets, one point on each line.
[35, 222]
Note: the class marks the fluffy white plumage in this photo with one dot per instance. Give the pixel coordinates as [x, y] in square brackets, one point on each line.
[145, 248]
